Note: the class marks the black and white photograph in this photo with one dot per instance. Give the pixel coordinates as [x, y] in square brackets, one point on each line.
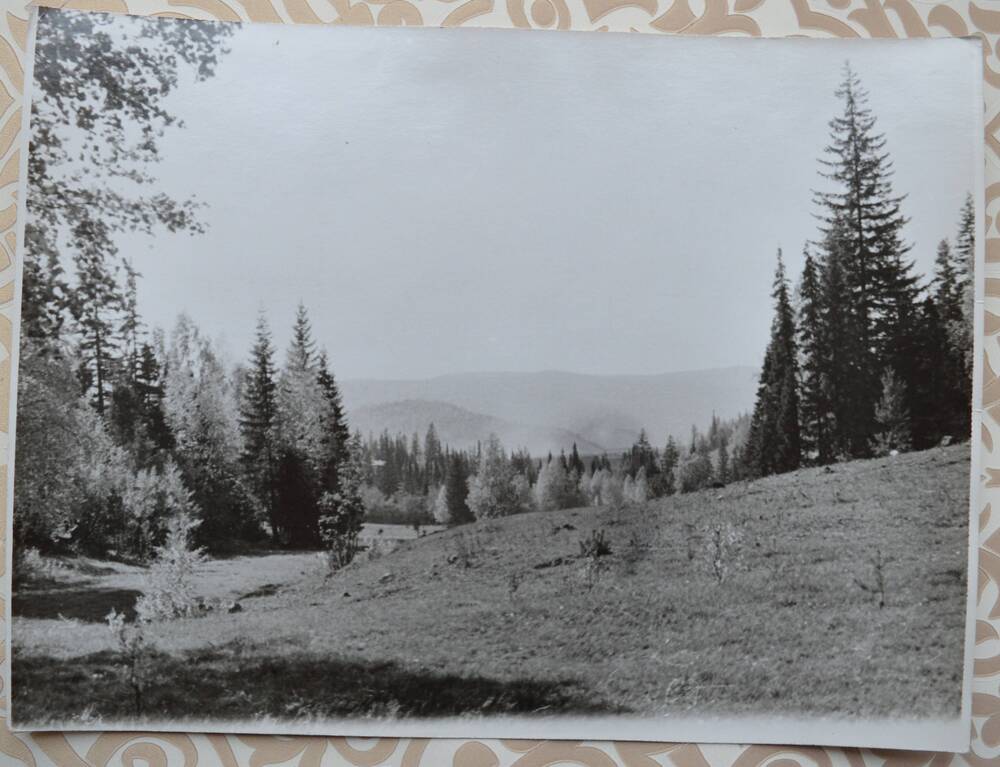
[496, 383]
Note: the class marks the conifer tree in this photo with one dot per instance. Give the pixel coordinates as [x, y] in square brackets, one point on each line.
[892, 416]
[960, 332]
[944, 353]
[457, 491]
[851, 409]
[575, 462]
[433, 456]
[773, 444]
[302, 405]
[722, 468]
[937, 401]
[872, 285]
[131, 324]
[149, 384]
[946, 286]
[258, 423]
[302, 350]
[814, 408]
[335, 432]
[43, 288]
[669, 460]
[125, 413]
[95, 306]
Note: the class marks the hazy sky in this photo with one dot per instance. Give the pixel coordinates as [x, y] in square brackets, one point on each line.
[469, 200]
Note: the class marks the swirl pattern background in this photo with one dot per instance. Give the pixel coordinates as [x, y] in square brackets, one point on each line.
[769, 18]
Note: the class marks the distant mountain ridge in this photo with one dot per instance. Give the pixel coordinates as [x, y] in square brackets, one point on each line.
[550, 410]
[461, 428]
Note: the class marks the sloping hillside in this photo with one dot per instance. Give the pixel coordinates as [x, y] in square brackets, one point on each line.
[605, 410]
[759, 597]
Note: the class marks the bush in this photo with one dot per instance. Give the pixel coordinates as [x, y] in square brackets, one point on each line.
[169, 592]
[30, 565]
[340, 524]
[723, 549]
[597, 545]
[592, 549]
[695, 472]
[130, 639]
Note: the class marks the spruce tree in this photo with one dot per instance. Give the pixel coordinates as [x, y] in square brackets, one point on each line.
[892, 416]
[937, 402]
[44, 290]
[862, 220]
[722, 469]
[258, 422]
[336, 433]
[901, 307]
[433, 457]
[814, 408]
[302, 350]
[946, 286]
[301, 407]
[95, 305]
[944, 347]
[457, 491]
[960, 332]
[773, 443]
[669, 460]
[131, 324]
[575, 462]
[851, 408]
[149, 384]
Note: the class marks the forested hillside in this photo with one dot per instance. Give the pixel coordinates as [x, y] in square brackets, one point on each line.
[868, 357]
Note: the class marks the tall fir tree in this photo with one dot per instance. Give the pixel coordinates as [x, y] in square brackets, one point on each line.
[433, 457]
[874, 289]
[149, 384]
[457, 491]
[44, 289]
[302, 350]
[131, 323]
[947, 285]
[669, 460]
[301, 427]
[258, 424]
[95, 305]
[961, 332]
[892, 416]
[943, 349]
[815, 411]
[773, 445]
[336, 433]
[937, 399]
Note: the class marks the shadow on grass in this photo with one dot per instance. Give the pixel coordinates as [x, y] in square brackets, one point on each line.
[82, 603]
[236, 682]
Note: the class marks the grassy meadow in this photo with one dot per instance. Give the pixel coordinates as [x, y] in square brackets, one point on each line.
[828, 590]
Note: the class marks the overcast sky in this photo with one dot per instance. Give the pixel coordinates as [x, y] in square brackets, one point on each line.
[475, 200]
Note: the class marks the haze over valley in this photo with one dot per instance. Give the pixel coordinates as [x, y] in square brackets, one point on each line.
[550, 410]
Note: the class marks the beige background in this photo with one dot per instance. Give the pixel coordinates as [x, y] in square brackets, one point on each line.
[771, 18]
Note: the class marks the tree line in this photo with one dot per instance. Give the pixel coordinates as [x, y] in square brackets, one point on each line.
[116, 437]
[418, 481]
[866, 359]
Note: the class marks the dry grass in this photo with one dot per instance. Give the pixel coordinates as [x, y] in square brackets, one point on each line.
[507, 616]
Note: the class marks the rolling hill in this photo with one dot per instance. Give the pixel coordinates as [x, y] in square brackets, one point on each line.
[550, 410]
[462, 428]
